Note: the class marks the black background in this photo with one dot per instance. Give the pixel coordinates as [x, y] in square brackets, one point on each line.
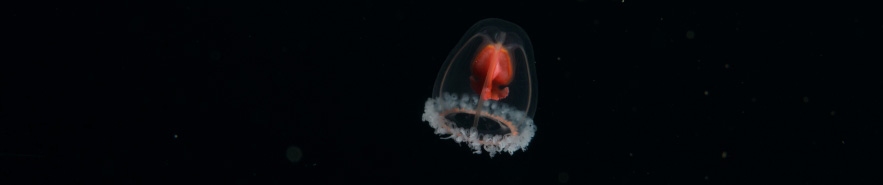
[634, 92]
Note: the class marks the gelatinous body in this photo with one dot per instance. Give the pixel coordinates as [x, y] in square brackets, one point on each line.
[486, 91]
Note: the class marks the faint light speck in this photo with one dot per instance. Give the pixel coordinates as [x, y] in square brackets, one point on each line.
[215, 55]
[563, 177]
[294, 154]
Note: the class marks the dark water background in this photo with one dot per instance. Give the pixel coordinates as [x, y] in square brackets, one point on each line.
[331, 92]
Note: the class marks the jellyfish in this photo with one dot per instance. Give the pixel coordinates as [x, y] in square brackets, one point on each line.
[485, 94]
